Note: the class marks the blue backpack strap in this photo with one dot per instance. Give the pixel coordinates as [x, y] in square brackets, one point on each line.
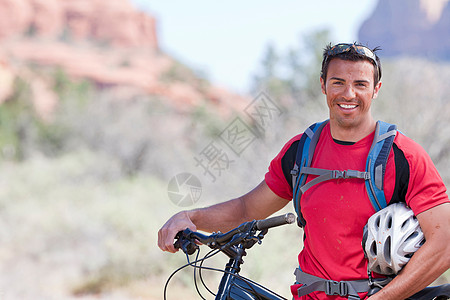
[376, 163]
[305, 153]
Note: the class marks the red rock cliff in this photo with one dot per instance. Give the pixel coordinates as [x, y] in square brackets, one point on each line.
[107, 42]
[116, 21]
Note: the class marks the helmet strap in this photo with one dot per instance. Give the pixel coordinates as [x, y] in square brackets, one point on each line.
[376, 285]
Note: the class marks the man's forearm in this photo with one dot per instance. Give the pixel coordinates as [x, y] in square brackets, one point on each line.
[257, 204]
[425, 266]
[220, 217]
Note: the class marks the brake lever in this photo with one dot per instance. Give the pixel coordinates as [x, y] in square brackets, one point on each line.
[253, 239]
[247, 238]
[261, 235]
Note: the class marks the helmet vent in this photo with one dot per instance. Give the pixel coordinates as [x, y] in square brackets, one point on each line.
[404, 224]
[412, 235]
[377, 221]
[373, 248]
[389, 222]
[387, 249]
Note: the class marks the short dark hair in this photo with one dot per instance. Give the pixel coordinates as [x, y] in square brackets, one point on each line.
[351, 53]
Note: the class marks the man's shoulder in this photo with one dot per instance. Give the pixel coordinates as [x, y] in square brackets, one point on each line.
[409, 147]
[402, 140]
[294, 139]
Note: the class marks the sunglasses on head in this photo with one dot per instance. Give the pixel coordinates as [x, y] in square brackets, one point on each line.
[360, 49]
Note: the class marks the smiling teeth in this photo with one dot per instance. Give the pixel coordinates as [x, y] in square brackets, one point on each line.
[347, 105]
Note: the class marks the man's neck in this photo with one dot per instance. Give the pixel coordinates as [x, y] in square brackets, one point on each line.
[352, 133]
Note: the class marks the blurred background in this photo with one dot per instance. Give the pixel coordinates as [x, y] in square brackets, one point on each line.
[114, 115]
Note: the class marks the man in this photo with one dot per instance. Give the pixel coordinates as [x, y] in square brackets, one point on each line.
[337, 210]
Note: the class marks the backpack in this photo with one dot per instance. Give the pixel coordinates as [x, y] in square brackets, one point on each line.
[373, 174]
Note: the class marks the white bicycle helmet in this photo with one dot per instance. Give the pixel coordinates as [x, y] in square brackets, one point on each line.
[391, 237]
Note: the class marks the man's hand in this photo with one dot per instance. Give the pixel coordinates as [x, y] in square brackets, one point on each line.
[166, 234]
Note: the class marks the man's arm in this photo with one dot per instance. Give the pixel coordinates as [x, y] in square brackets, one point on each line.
[259, 203]
[429, 262]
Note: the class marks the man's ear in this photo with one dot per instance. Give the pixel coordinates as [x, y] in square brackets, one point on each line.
[322, 85]
[376, 90]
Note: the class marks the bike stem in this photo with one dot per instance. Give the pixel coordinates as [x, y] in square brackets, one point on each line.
[232, 269]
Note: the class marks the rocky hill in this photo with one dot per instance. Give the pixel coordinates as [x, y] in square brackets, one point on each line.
[109, 43]
[115, 22]
[409, 27]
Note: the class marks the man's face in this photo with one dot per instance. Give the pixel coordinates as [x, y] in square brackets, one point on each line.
[349, 89]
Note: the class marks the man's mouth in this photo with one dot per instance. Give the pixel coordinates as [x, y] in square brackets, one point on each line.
[348, 106]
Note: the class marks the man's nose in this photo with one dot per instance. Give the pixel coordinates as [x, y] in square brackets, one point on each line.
[349, 93]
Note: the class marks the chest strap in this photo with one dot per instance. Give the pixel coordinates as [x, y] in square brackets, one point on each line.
[311, 283]
[324, 175]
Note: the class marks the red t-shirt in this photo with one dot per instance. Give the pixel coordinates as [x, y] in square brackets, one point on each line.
[337, 210]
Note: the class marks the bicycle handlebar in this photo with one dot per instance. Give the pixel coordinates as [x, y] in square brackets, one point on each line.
[186, 239]
[288, 218]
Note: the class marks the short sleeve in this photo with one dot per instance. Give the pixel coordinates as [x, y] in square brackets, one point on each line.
[426, 188]
[275, 178]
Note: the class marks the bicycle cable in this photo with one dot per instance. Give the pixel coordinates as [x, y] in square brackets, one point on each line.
[201, 276]
[192, 264]
[248, 281]
[195, 275]
[243, 278]
[198, 264]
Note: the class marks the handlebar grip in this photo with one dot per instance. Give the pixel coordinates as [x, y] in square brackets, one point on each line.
[288, 218]
[184, 243]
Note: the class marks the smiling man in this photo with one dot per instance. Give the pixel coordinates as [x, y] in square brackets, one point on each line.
[334, 211]
[350, 86]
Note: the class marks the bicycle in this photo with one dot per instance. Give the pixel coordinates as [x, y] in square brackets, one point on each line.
[234, 244]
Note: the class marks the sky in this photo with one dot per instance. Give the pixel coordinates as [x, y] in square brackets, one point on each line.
[226, 39]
